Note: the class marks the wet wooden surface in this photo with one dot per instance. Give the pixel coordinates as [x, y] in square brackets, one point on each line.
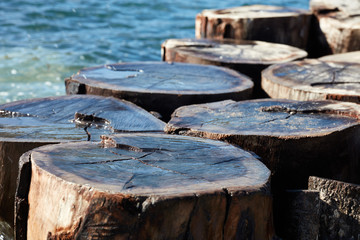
[313, 80]
[294, 139]
[160, 86]
[32, 123]
[256, 22]
[148, 186]
[339, 208]
[247, 57]
[352, 57]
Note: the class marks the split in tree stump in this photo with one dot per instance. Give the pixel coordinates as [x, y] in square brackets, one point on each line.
[32, 123]
[353, 57]
[294, 139]
[159, 86]
[313, 80]
[339, 23]
[339, 208]
[247, 57]
[257, 22]
[147, 186]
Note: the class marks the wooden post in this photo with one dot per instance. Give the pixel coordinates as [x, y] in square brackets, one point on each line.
[159, 86]
[294, 139]
[313, 80]
[339, 22]
[257, 22]
[339, 208]
[148, 186]
[247, 57]
[32, 123]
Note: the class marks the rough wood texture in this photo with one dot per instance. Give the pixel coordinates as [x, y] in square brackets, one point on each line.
[257, 22]
[302, 219]
[313, 80]
[342, 31]
[353, 57]
[32, 123]
[247, 57]
[148, 186]
[293, 138]
[339, 208]
[159, 86]
[348, 6]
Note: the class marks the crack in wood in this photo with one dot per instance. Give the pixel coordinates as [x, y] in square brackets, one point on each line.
[332, 83]
[128, 182]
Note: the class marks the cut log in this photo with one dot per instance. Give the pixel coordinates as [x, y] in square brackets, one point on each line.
[313, 80]
[348, 6]
[161, 87]
[353, 57]
[148, 186]
[257, 22]
[294, 139]
[339, 208]
[32, 123]
[247, 57]
[339, 23]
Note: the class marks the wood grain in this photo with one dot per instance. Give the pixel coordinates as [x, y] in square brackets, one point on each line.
[313, 80]
[160, 86]
[247, 57]
[31, 123]
[148, 186]
[256, 22]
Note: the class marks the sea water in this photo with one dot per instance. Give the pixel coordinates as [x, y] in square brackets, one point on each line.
[42, 42]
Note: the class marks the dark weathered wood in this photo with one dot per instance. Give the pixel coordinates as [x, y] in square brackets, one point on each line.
[257, 22]
[353, 57]
[148, 186]
[27, 124]
[313, 80]
[160, 86]
[247, 57]
[339, 23]
[339, 208]
[301, 220]
[294, 139]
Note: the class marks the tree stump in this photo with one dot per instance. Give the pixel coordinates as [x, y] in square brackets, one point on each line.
[148, 186]
[353, 57]
[247, 57]
[339, 208]
[161, 87]
[348, 6]
[32, 123]
[339, 22]
[294, 139]
[313, 80]
[257, 22]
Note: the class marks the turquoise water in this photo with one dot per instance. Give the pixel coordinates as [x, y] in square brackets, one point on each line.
[42, 42]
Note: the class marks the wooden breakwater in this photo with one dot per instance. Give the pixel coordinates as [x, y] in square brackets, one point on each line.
[104, 184]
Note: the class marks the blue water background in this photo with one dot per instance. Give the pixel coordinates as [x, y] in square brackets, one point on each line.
[42, 42]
